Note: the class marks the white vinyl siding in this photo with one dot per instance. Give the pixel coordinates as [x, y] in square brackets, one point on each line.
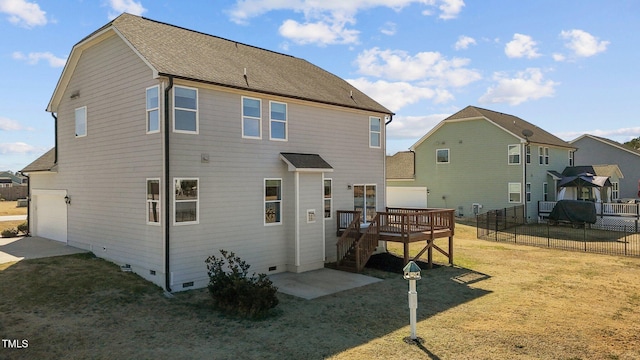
[153, 201]
[513, 152]
[153, 109]
[375, 132]
[515, 192]
[185, 201]
[81, 121]
[278, 121]
[442, 156]
[272, 201]
[185, 110]
[251, 118]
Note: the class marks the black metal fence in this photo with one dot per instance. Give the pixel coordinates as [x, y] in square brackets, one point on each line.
[507, 225]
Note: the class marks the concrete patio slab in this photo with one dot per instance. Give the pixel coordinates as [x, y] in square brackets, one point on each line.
[20, 248]
[313, 284]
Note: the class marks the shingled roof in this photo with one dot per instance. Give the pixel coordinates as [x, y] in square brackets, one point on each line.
[186, 54]
[608, 142]
[510, 123]
[46, 162]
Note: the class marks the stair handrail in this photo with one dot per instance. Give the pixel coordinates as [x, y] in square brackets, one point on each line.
[348, 239]
[367, 243]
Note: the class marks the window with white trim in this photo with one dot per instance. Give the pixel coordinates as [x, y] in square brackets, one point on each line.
[545, 191]
[375, 132]
[251, 118]
[515, 192]
[442, 156]
[528, 154]
[546, 156]
[185, 201]
[543, 155]
[571, 158]
[81, 121]
[514, 154]
[278, 121]
[527, 191]
[615, 190]
[272, 201]
[364, 200]
[185, 110]
[328, 198]
[153, 109]
[153, 201]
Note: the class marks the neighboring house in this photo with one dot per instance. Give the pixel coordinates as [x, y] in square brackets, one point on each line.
[9, 179]
[478, 160]
[597, 150]
[401, 169]
[172, 144]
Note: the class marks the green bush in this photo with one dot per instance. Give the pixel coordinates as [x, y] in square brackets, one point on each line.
[23, 228]
[233, 290]
[9, 233]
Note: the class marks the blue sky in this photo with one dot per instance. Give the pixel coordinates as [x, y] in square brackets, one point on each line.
[569, 67]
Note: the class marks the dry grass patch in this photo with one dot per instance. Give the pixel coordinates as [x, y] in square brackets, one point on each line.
[5, 225]
[11, 208]
[501, 302]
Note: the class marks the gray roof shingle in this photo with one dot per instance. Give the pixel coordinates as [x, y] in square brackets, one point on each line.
[46, 162]
[401, 165]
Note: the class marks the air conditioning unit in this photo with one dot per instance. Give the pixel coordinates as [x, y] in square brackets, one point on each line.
[475, 207]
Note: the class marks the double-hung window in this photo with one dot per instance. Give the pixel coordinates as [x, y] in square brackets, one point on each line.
[375, 132]
[278, 121]
[545, 191]
[442, 156]
[153, 201]
[528, 153]
[328, 198]
[185, 110]
[272, 201]
[153, 110]
[81, 121]
[185, 201]
[514, 154]
[615, 190]
[527, 191]
[543, 155]
[515, 192]
[571, 158]
[251, 118]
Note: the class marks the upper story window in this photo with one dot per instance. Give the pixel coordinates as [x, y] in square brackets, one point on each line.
[153, 110]
[528, 154]
[375, 132]
[153, 201]
[571, 158]
[278, 120]
[514, 154]
[442, 156]
[81, 121]
[251, 118]
[543, 155]
[185, 110]
[328, 198]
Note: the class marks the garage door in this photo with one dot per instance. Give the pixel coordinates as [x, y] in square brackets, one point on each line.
[412, 197]
[50, 214]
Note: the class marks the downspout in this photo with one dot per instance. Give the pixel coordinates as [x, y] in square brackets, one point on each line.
[28, 203]
[167, 187]
[55, 139]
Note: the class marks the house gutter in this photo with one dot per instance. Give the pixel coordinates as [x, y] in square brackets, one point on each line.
[167, 187]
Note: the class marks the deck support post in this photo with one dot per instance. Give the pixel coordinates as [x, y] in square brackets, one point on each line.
[451, 250]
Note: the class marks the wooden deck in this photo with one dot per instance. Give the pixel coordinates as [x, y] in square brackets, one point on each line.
[401, 225]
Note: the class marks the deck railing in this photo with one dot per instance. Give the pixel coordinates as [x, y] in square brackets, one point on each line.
[350, 234]
[602, 209]
[367, 243]
[408, 221]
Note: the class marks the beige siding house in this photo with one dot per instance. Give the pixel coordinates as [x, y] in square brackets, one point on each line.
[172, 144]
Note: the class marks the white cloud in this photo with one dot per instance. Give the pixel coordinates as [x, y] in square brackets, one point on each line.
[23, 13]
[412, 127]
[464, 42]
[526, 85]
[9, 125]
[559, 57]
[450, 8]
[18, 148]
[329, 17]
[395, 95]
[129, 6]
[321, 32]
[389, 28]
[430, 68]
[34, 58]
[521, 46]
[582, 43]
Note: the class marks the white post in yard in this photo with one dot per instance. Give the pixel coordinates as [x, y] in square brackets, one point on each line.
[412, 273]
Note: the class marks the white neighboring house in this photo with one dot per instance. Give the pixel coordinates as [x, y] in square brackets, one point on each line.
[172, 144]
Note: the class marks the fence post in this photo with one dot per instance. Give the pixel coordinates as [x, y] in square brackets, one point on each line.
[584, 236]
[625, 240]
[548, 235]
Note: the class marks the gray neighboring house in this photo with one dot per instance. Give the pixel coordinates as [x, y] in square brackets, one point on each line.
[9, 179]
[172, 144]
[598, 150]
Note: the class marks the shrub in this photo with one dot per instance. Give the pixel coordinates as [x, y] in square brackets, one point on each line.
[233, 290]
[23, 228]
[8, 233]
